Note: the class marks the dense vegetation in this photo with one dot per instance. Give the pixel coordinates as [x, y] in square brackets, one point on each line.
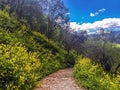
[18, 67]
[26, 53]
[98, 68]
[92, 76]
[35, 40]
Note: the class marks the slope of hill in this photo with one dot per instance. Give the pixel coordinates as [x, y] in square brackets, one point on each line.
[26, 52]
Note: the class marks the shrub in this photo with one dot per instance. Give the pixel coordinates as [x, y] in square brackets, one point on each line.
[93, 77]
[49, 62]
[7, 22]
[6, 37]
[18, 68]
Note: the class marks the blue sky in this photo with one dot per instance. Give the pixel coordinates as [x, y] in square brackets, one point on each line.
[80, 10]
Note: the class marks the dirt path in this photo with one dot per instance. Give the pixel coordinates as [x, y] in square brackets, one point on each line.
[60, 80]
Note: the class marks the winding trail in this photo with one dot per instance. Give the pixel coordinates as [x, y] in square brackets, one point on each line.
[60, 80]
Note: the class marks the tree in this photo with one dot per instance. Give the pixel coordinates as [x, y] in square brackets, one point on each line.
[41, 15]
[101, 49]
[116, 69]
[55, 10]
[74, 40]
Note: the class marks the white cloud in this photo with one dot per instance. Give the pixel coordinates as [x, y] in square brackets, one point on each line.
[67, 13]
[102, 10]
[97, 13]
[94, 14]
[75, 26]
[105, 23]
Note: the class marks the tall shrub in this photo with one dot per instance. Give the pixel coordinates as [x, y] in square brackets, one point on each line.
[18, 68]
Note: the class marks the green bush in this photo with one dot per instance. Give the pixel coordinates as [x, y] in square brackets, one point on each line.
[49, 62]
[6, 37]
[8, 22]
[18, 68]
[70, 59]
[93, 77]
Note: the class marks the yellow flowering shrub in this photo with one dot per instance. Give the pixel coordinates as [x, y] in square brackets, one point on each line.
[92, 76]
[18, 68]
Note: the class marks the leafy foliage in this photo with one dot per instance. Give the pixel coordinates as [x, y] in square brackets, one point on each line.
[18, 68]
[7, 22]
[35, 57]
[92, 76]
[103, 52]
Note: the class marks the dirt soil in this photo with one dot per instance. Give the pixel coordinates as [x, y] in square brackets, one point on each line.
[60, 80]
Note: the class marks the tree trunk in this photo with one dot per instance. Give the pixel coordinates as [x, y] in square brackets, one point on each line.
[116, 69]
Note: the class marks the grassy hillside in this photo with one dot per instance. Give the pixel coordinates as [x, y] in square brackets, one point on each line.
[26, 55]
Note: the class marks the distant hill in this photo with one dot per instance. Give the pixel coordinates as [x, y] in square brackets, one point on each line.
[113, 36]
